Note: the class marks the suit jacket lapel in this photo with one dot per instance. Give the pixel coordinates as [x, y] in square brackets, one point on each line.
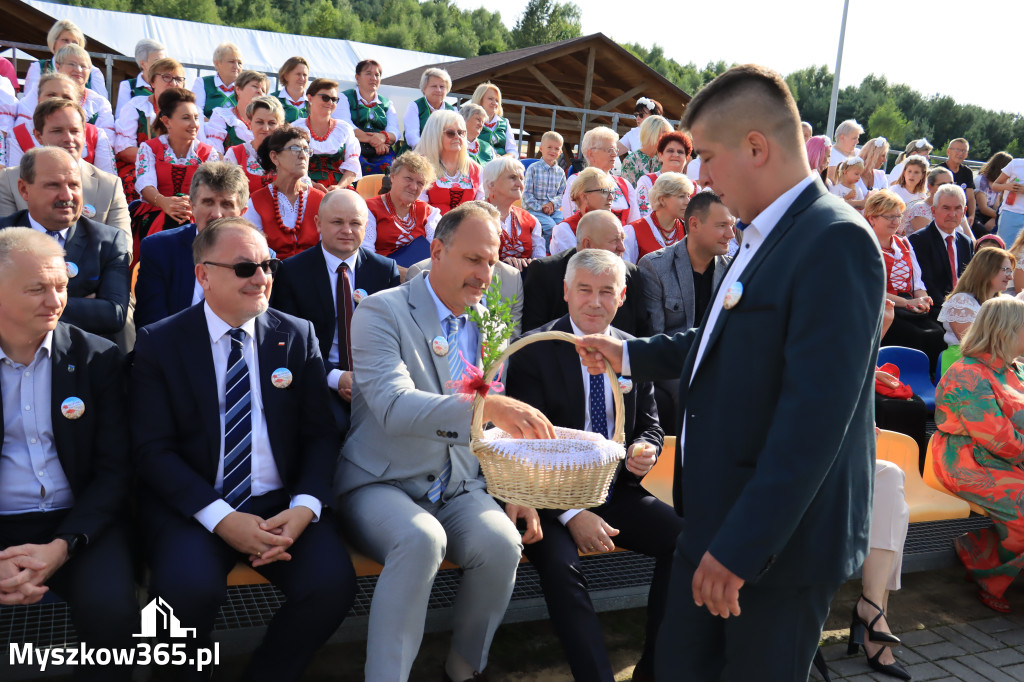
[424, 313]
[272, 350]
[63, 375]
[186, 280]
[75, 242]
[322, 285]
[568, 362]
[197, 353]
[684, 275]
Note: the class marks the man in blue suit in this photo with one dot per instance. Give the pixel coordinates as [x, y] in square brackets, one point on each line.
[166, 282]
[323, 282]
[234, 446]
[776, 500]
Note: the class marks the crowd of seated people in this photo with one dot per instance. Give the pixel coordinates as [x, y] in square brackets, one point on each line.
[256, 269]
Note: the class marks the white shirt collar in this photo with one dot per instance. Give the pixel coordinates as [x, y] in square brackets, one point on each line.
[579, 332]
[39, 228]
[218, 327]
[221, 84]
[442, 310]
[141, 80]
[767, 219]
[283, 94]
[333, 261]
[45, 347]
[375, 100]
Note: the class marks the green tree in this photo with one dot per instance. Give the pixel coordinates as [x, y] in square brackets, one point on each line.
[546, 21]
[204, 11]
[889, 122]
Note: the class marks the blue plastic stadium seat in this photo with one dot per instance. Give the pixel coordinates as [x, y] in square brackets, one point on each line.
[913, 366]
[528, 162]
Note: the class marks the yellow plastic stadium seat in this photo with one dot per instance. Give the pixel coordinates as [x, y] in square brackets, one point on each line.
[244, 574]
[658, 480]
[926, 503]
[369, 185]
[932, 480]
[135, 277]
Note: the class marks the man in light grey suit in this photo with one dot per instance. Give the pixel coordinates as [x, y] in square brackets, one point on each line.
[408, 489]
[511, 288]
[102, 193]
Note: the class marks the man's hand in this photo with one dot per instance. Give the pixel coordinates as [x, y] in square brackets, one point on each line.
[641, 457]
[290, 524]
[519, 263]
[16, 584]
[179, 208]
[529, 514]
[548, 208]
[886, 379]
[517, 418]
[594, 349]
[716, 587]
[244, 533]
[591, 533]
[345, 386]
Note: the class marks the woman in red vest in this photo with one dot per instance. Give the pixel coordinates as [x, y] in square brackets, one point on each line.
[265, 114]
[592, 190]
[599, 149]
[165, 165]
[400, 216]
[674, 151]
[443, 143]
[285, 210]
[665, 225]
[522, 238]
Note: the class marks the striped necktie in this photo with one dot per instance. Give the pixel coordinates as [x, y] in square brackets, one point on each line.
[456, 368]
[237, 426]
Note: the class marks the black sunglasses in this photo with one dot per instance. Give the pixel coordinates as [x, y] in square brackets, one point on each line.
[328, 98]
[248, 269]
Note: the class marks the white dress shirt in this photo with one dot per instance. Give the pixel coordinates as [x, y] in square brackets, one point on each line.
[265, 476]
[469, 336]
[334, 357]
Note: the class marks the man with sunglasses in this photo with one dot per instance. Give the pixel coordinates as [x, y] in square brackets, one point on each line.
[234, 446]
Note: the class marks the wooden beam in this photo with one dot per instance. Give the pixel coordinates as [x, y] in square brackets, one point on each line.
[536, 73]
[589, 79]
[629, 94]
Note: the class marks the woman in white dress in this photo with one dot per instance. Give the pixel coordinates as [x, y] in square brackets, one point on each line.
[874, 152]
[986, 276]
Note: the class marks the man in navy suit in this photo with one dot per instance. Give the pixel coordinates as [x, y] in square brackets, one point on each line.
[549, 376]
[321, 282]
[97, 255]
[940, 252]
[64, 467]
[776, 500]
[166, 282]
[235, 446]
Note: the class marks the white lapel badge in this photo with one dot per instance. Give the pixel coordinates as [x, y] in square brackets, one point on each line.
[733, 295]
[72, 408]
[281, 377]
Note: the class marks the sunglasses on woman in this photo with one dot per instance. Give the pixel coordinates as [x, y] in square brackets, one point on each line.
[247, 269]
[328, 98]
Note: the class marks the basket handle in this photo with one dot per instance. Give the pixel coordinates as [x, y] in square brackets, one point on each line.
[476, 431]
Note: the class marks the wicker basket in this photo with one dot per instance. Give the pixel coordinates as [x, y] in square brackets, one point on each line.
[573, 471]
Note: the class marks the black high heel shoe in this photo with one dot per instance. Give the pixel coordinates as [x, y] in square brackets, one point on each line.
[873, 635]
[857, 640]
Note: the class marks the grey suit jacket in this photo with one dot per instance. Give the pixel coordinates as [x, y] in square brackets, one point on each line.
[668, 288]
[103, 191]
[406, 422]
[511, 286]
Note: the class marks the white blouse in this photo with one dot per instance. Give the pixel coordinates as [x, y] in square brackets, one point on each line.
[145, 163]
[216, 129]
[961, 308]
[127, 127]
[289, 211]
[93, 104]
[341, 135]
[881, 182]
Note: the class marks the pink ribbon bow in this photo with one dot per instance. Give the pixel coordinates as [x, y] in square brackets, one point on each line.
[472, 382]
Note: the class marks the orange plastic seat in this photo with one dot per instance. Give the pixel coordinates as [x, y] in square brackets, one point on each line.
[926, 503]
[368, 186]
[932, 480]
[658, 480]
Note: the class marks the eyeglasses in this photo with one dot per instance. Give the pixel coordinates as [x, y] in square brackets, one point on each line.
[455, 133]
[606, 192]
[304, 151]
[172, 80]
[606, 150]
[328, 98]
[247, 269]
[892, 218]
[74, 66]
[1006, 271]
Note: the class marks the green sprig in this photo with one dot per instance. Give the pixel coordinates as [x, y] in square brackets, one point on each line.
[495, 323]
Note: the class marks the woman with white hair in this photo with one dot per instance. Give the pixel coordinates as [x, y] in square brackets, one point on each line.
[874, 152]
[63, 32]
[591, 189]
[147, 51]
[644, 159]
[218, 90]
[522, 238]
[599, 149]
[496, 128]
[665, 225]
[74, 62]
[265, 114]
[479, 149]
[435, 84]
[229, 125]
[443, 144]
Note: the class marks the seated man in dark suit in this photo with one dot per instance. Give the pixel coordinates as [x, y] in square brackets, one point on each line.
[325, 283]
[166, 282]
[549, 376]
[96, 255]
[939, 251]
[234, 446]
[542, 280]
[64, 473]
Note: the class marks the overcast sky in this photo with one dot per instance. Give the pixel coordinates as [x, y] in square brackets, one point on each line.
[934, 46]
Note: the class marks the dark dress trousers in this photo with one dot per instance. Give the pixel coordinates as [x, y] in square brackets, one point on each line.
[176, 446]
[930, 248]
[777, 462]
[549, 376]
[302, 288]
[167, 275]
[544, 295]
[94, 454]
[101, 255]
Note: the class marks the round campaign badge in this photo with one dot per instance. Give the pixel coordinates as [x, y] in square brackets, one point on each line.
[733, 295]
[440, 345]
[72, 269]
[281, 377]
[72, 408]
[89, 211]
[625, 384]
[358, 295]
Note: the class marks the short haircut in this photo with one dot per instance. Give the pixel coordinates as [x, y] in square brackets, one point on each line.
[950, 190]
[652, 129]
[226, 49]
[71, 50]
[165, 65]
[268, 102]
[646, 105]
[319, 84]
[434, 72]
[678, 137]
[58, 76]
[994, 331]
[27, 167]
[248, 76]
[993, 168]
[591, 221]
[481, 90]
[415, 163]
[700, 206]
[469, 110]
[59, 27]
[552, 135]
[669, 185]
[977, 277]
[881, 202]
[289, 66]
[49, 107]
[495, 168]
[168, 102]
[432, 137]
[276, 141]
[368, 62]
[745, 97]
[450, 221]
[587, 177]
[222, 178]
[921, 163]
[26, 240]
[597, 262]
[959, 139]
[146, 47]
[849, 126]
[207, 238]
[592, 138]
[935, 174]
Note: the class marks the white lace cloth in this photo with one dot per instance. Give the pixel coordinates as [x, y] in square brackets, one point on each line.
[571, 449]
[960, 308]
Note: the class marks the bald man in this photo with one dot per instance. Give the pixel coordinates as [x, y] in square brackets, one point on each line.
[325, 283]
[543, 278]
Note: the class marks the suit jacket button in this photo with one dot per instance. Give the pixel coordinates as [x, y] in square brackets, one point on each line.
[453, 434]
[440, 433]
[431, 478]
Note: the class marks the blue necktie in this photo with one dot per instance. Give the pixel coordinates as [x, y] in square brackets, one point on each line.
[740, 225]
[456, 368]
[598, 407]
[237, 426]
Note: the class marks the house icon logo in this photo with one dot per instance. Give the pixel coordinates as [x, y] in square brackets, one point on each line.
[158, 615]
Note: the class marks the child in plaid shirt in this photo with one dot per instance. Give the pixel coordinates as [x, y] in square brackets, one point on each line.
[545, 184]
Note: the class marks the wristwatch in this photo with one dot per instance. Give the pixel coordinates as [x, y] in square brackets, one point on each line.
[76, 541]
